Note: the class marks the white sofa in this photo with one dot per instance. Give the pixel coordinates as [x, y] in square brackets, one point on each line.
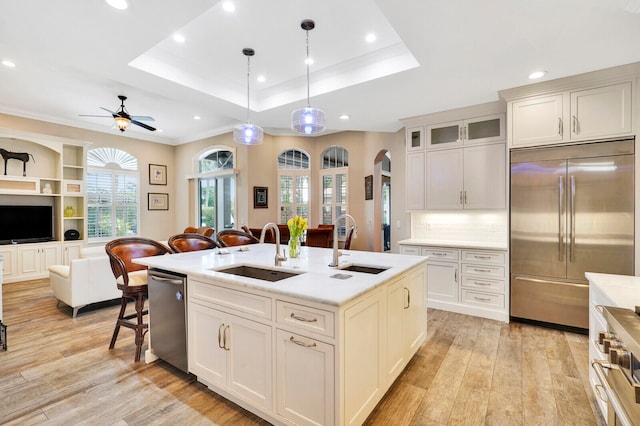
[86, 280]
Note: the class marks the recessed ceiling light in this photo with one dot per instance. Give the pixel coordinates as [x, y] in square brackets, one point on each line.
[370, 38]
[536, 74]
[308, 61]
[159, 130]
[196, 117]
[118, 4]
[344, 117]
[228, 6]
[261, 78]
[179, 38]
[8, 63]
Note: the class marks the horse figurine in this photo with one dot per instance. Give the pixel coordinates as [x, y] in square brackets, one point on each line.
[22, 156]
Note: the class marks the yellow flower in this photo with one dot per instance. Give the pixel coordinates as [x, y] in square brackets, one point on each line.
[296, 225]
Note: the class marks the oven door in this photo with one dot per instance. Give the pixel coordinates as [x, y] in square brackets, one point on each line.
[621, 395]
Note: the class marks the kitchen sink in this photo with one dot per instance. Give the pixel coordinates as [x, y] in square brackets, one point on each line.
[364, 268]
[258, 273]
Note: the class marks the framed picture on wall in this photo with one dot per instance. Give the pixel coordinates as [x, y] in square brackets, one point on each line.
[158, 201]
[368, 187]
[260, 197]
[157, 174]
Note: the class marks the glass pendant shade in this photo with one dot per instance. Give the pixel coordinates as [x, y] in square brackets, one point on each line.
[122, 123]
[308, 120]
[247, 133]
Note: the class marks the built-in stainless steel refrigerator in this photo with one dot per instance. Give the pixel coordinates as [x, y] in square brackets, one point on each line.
[572, 211]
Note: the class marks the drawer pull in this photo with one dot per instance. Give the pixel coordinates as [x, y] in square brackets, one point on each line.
[477, 256]
[479, 283]
[482, 299]
[482, 270]
[299, 318]
[439, 253]
[600, 309]
[299, 343]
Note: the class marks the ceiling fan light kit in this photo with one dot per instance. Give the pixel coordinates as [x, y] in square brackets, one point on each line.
[247, 133]
[123, 119]
[308, 120]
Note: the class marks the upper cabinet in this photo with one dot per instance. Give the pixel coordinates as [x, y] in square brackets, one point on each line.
[586, 107]
[474, 130]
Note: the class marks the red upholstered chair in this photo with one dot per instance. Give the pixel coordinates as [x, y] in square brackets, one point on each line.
[231, 237]
[319, 237]
[131, 278]
[181, 243]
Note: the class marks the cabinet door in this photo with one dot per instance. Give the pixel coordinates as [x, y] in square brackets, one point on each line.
[443, 281]
[416, 180]
[536, 121]
[485, 177]
[484, 129]
[444, 179]
[445, 135]
[415, 139]
[50, 255]
[71, 251]
[9, 265]
[207, 359]
[397, 295]
[415, 309]
[249, 366]
[604, 111]
[305, 383]
[29, 259]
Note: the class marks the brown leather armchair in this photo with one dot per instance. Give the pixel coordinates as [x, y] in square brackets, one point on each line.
[207, 231]
[131, 278]
[181, 243]
[319, 237]
[232, 237]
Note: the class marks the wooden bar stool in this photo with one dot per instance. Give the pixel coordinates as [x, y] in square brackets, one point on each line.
[131, 278]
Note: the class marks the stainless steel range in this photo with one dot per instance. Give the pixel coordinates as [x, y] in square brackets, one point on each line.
[619, 375]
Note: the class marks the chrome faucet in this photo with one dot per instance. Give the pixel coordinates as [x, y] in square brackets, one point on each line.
[279, 257]
[334, 263]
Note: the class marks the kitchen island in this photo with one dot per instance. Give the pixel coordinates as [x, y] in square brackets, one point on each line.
[321, 346]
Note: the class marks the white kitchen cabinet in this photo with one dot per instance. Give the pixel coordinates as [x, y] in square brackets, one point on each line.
[471, 130]
[231, 351]
[415, 139]
[10, 264]
[443, 282]
[415, 318]
[34, 259]
[397, 302]
[305, 379]
[574, 115]
[70, 251]
[472, 177]
[416, 181]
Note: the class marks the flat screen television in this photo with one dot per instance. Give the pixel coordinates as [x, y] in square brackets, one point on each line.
[26, 224]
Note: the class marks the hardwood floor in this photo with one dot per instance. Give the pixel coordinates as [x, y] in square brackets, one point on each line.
[58, 371]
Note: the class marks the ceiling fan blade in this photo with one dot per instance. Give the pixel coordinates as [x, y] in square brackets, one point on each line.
[114, 114]
[137, 123]
[142, 118]
[90, 115]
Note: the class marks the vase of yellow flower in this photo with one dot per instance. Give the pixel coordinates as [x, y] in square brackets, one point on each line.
[296, 225]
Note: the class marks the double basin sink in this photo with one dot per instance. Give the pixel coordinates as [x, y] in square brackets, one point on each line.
[274, 275]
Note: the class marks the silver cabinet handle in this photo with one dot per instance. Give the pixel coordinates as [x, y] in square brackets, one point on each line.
[299, 343]
[572, 217]
[559, 126]
[165, 280]
[220, 345]
[408, 298]
[299, 318]
[438, 253]
[599, 366]
[480, 283]
[224, 338]
[477, 256]
[600, 308]
[486, 271]
[455, 275]
[575, 124]
[465, 197]
[482, 299]
[461, 198]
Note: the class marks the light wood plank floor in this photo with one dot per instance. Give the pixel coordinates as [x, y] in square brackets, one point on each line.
[59, 371]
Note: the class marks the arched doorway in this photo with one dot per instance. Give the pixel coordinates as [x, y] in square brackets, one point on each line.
[382, 201]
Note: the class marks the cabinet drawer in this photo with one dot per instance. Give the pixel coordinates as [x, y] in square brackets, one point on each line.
[483, 270]
[494, 257]
[412, 250]
[237, 300]
[305, 318]
[483, 299]
[483, 284]
[440, 254]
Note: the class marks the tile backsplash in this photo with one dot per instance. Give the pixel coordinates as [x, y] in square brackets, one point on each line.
[485, 226]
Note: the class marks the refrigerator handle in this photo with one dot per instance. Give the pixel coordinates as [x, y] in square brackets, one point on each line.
[572, 217]
[560, 215]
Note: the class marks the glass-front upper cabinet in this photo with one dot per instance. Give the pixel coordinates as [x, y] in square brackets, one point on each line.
[415, 139]
[474, 130]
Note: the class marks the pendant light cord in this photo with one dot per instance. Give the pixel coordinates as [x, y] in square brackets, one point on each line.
[308, 101]
[248, 80]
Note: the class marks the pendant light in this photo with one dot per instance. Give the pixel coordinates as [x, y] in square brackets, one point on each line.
[308, 121]
[247, 133]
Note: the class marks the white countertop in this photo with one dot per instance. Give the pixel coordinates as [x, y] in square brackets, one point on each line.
[455, 243]
[314, 284]
[621, 291]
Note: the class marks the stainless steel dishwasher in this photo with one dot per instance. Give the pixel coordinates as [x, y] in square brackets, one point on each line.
[168, 317]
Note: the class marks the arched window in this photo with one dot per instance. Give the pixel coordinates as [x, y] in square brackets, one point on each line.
[216, 188]
[112, 194]
[335, 185]
[293, 175]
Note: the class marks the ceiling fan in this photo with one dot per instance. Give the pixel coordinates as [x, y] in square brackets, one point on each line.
[123, 119]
